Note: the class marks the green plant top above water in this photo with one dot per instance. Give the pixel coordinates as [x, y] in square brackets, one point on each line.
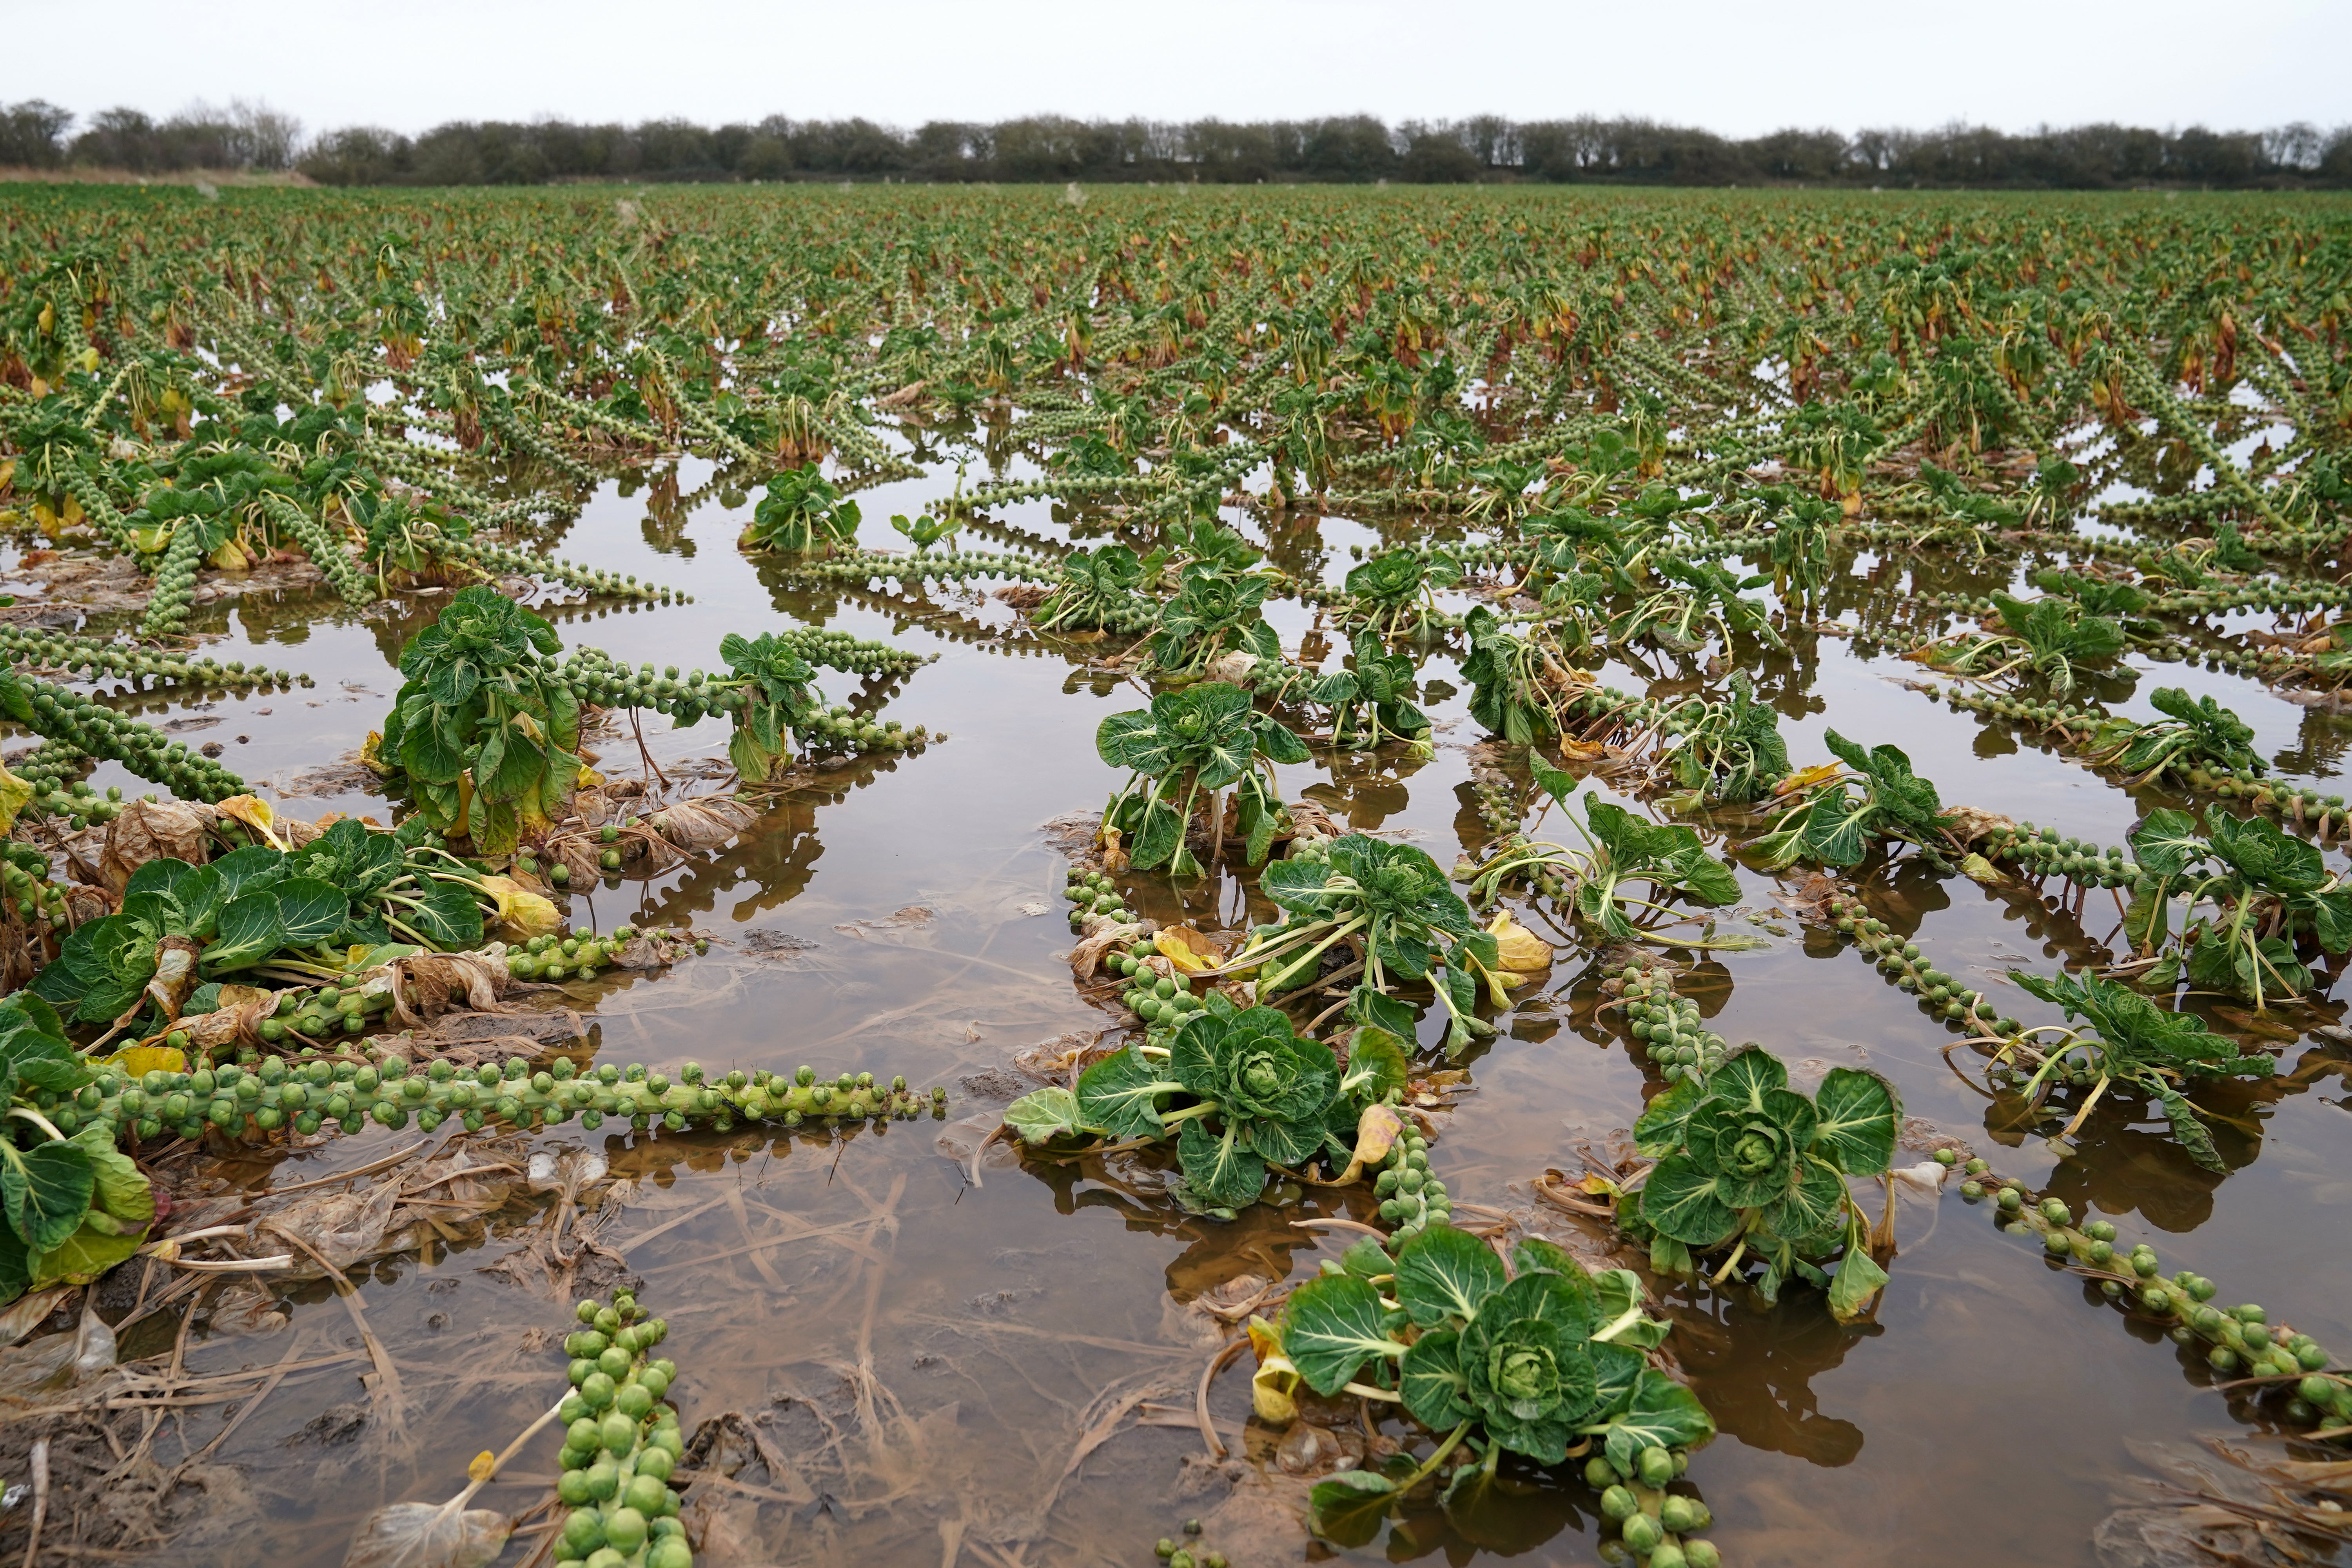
[1199, 740]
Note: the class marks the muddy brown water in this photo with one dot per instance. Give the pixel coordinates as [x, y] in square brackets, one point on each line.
[998, 1365]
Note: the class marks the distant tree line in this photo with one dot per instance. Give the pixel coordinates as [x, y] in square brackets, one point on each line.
[34, 135]
[1355, 148]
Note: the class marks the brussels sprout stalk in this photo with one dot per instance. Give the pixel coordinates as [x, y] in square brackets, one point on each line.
[2242, 1341]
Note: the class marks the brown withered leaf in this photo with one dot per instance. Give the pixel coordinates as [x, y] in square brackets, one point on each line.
[703, 823]
[1086, 958]
[906, 918]
[153, 830]
[2224, 1503]
[431, 982]
[85, 904]
[1968, 823]
[1808, 899]
[236, 1022]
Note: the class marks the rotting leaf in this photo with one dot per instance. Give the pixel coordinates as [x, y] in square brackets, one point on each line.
[429, 1535]
[1348, 1507]
[1045, 1115]
[1377, 1131]
[703, 823]
[1185, 948]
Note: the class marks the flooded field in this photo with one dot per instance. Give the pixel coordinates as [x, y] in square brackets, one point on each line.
[1671, 505]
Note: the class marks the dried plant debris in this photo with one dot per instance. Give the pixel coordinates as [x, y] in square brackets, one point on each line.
[2245, 1502]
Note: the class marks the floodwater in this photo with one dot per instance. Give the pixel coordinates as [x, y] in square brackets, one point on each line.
[936, 1360]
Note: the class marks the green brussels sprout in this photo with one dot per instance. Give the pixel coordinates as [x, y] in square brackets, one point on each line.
[1655, 1466]
[625, 1530]
[584, 1532]
[1682, 1515]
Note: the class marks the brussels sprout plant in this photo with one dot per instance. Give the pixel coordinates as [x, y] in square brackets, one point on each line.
[1534, 1357]
[1241, 1092]
[1394, 905]
[72, 1204]
[1880, 799]
[2053, 637]
[2134, 1045]
[2196, 733]
[2250, 891]
[1748, 1162]
[1202, 740]
[1619, 849]
[1396, 592]
[801, 511]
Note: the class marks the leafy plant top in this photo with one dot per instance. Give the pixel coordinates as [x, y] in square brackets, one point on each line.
[1743, 1156]
[1272, 1094]
[2141, 1043]
[1534, 1357]
[801, 511]
[1200, 738]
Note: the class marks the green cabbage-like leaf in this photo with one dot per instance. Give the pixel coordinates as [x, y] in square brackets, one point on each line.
[1663, 1414]
[1437, 1393]
[45, 1191]
[1444, 1273]
[250, 929]
[310, 910]
[1681, 1200]
[1746, 1075]
[1223, 1170]
[1045, 1115]
[1330, 1327]
[1860, 1115]
[1121, 1095]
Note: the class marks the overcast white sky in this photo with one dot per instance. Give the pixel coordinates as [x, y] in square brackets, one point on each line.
[1735, 66]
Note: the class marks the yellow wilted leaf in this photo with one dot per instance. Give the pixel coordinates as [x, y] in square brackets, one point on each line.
[138, 1061]
[485, 1465]
[1275, 1382]
[1273, 1387]
[1798, 782]
[1520, 951]
[1522, 957]
[1976, 869]
[255, 813]
[371, 751]
[1377, 1131]
[518, 907]
[1185, 948]
[14, 793]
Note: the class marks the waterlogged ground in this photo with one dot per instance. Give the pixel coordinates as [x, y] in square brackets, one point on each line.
[937, 1360]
